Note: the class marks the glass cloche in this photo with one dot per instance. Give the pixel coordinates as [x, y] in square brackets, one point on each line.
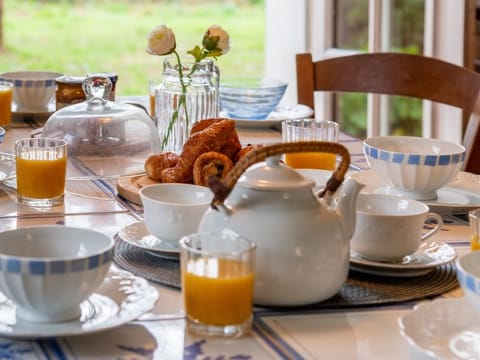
[104, 138]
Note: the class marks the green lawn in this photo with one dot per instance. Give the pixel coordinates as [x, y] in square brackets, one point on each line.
[77, 37]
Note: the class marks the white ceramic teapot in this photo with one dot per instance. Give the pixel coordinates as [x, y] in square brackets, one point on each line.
[302, 239]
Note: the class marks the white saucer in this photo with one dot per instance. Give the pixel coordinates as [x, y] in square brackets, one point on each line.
[121, 298]
[275, 117]
[443, 329]
[430, 255]
[458, 197]
[7, 165]
[137, 235]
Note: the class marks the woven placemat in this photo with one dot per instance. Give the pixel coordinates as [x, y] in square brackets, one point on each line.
[359, 289]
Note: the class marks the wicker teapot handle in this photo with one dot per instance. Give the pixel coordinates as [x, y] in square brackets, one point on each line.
[222, 188]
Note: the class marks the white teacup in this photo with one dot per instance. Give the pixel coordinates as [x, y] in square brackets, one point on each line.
[173, 210]
[389, 227]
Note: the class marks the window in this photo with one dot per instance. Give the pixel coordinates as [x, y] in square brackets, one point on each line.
[336, 27]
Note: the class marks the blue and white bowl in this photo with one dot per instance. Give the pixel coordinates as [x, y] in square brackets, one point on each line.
[2, 134]
[250, 98]
[32, 90]
[468, 275]
[416, 167]
[47, 271]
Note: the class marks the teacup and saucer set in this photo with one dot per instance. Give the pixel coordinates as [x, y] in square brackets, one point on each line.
[171, 210]
[390, 238]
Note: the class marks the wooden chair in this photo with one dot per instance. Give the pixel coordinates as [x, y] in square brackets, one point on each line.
[398, 74]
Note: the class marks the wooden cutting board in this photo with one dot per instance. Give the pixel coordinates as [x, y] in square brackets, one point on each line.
[129, 187]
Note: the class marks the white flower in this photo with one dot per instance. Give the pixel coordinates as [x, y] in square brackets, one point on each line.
[216, 39]
[161, 41]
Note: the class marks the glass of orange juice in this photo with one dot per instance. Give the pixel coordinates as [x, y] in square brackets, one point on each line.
[6, 93]
[217, 283]
[152, 86]
[310, 130]
[474, 220]
[41, 166]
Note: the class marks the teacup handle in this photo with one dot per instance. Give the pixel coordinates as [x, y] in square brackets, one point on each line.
[438, 224]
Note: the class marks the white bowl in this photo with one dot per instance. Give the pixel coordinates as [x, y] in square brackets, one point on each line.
[47, 271]
[173, 210]
[416, 167]
[32, 90]
[468, 275]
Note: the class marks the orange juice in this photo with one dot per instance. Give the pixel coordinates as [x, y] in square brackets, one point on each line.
[41, 179]
[152, 105]
[311, 160]
[6, 92]
[475, 243]
[218, 292]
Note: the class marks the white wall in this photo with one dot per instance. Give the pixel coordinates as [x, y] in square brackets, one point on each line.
[285, 36]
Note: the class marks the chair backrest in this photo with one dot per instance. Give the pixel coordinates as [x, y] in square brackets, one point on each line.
[397, 74]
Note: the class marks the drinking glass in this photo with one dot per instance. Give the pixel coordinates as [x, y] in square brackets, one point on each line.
[6, 93]
[41, 166]
[310, 130]
[474, 220]
[152, 86]
[217, 283]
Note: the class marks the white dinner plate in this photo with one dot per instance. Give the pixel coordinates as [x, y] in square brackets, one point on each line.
[443, 329]
[459, 196]
[430, 255]
[275, 117]
[121, 298]
[137, 235]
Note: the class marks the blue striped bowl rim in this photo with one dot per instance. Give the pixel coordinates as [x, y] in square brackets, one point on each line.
[18, 265]
[413, 159]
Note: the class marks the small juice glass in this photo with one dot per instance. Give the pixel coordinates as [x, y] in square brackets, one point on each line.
[41, 166]
[6, 94]
[217, 283]
[310, 130]
[152, 86]
[474, 220]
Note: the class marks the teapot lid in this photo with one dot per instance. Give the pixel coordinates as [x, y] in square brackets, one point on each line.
[273, 175]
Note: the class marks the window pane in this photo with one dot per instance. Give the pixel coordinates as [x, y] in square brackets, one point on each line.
[351, 113]
[407, 26]
[403, 31]
[406, 35]
[351, 24]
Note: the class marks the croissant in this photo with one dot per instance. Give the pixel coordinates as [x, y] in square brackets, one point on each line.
[155, 164]
[212, 138]
[209, 164]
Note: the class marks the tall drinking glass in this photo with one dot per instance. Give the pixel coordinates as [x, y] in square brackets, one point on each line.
[310, 130]
[217, 283]
[41, 166]
[6, 94]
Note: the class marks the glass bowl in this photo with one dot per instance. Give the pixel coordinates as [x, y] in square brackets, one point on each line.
[249, 97]
[104, 138]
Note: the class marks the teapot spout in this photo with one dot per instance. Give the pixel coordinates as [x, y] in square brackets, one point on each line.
[345, 202]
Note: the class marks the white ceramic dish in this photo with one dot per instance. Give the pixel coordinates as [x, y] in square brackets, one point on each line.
[276, 117]
[7, 165]
[136, 234]
[121, 298]
[430, 255]
[443, 329]
[458, 197]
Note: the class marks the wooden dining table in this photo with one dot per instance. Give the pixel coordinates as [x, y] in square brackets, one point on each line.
[360, 324]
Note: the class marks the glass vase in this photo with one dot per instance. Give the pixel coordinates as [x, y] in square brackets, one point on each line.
[185, 96]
